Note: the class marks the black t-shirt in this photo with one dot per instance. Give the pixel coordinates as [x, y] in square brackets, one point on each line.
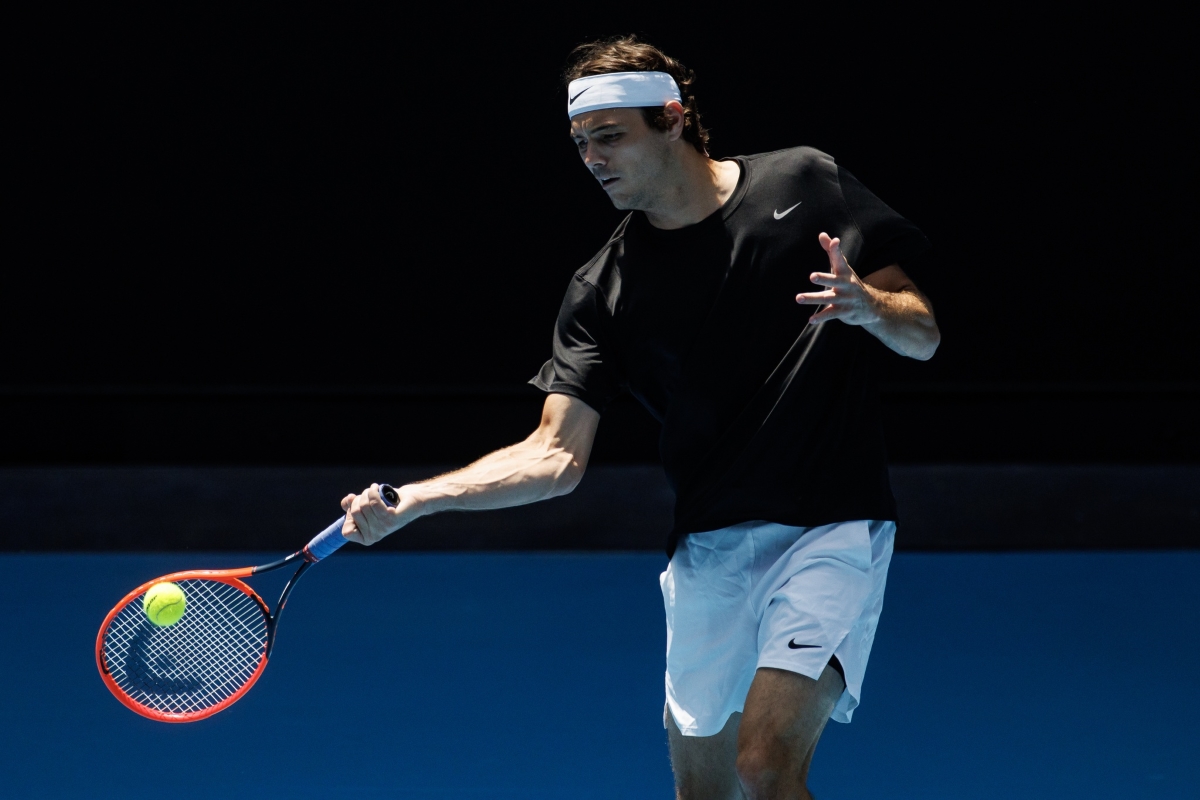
[764, 417]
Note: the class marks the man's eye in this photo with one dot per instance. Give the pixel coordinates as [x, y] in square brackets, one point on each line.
[609, 138]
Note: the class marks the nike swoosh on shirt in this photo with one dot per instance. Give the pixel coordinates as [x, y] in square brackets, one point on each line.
[778, 214]
[576, 97]
[792, 644]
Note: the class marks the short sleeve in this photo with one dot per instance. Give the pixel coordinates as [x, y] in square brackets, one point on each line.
[888, 238]
[578, 366]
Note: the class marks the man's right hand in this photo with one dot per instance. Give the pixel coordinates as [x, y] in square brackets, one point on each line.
[368, 518]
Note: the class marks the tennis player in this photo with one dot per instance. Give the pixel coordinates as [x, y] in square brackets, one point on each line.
[743, 302]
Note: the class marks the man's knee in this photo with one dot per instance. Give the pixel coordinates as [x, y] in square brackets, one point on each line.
[784, 717]
[772, 768]
[760, 769]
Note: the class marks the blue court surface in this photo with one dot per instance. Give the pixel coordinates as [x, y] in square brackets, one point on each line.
[1055, 675]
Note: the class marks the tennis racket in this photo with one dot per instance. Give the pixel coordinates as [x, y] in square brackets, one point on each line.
[210, 658]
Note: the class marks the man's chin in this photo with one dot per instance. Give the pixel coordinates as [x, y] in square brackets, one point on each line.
[621, 201]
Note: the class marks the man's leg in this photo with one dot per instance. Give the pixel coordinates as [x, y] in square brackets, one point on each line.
[763, 753]
[784, 716]
[704, 766]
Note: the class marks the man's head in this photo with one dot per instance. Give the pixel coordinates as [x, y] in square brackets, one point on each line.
[632, 150]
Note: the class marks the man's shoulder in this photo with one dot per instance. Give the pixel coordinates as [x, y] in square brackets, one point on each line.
[782, 179]
[799, 172]
[793, 160]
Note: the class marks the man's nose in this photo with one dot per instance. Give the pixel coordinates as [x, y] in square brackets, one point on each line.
[591, 156]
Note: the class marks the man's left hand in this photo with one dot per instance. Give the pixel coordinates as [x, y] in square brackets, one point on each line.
[847, 298]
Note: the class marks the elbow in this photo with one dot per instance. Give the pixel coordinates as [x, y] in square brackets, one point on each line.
[571, 477]
[568, 474]
[931, 346]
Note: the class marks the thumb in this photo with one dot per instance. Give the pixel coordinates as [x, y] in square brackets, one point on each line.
[350, 531]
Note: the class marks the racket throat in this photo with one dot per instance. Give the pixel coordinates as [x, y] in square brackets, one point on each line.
[273, 620]
[274, 565]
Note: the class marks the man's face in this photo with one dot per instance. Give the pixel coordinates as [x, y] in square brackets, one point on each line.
[623, 153]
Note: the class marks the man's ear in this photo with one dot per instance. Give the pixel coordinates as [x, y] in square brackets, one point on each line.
[674, 111]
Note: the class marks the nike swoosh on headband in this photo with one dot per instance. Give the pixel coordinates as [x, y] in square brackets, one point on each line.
[636, 89]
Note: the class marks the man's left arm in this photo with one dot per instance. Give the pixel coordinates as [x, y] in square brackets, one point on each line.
[885, 303]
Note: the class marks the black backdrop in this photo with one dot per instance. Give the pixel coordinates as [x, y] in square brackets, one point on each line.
[255, 239]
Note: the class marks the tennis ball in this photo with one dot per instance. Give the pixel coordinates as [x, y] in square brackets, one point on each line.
[164, 604]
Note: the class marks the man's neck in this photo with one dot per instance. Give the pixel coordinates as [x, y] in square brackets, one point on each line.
[698, 188]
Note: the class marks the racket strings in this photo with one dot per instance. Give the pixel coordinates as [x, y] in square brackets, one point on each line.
[198, 662]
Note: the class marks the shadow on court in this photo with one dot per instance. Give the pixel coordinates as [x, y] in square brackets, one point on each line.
[1048, 675]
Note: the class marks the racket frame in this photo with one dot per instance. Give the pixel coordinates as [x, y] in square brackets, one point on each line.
[232, 578]
[321, 546]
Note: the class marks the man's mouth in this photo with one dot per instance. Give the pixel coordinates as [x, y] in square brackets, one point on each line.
[607, 182]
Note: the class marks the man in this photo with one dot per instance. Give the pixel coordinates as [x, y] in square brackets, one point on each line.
[770, 428]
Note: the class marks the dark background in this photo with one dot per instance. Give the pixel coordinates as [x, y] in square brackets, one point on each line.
[317, 238]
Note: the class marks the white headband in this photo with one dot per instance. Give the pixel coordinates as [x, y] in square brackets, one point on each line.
[621, 90]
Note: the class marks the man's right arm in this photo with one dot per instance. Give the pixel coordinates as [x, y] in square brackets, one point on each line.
[549, 463]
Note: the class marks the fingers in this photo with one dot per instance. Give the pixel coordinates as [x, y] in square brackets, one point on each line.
[375, 509]
[357, 515]
[349, 529]
[832, 246]
[845, 297]
[839, 265]
[826, 314]
[369, 516]
[816, 298]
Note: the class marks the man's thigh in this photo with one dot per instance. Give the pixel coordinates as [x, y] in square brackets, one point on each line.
[784, 716]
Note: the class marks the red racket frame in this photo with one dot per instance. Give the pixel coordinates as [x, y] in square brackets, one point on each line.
[227, 576]
[321, 546]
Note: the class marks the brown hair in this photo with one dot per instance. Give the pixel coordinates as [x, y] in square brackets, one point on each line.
[628, 54]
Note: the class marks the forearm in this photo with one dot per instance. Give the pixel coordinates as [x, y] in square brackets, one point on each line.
[549, 463]
[523, 473]
[904, 323]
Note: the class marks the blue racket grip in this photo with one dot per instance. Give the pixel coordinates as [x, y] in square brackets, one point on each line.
[326, 543]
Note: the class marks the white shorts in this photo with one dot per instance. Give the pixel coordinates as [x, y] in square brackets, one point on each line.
[761, 594]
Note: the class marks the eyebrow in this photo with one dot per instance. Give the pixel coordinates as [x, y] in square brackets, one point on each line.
[594, 131]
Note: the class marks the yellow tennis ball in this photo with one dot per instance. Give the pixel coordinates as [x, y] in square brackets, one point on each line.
[164, 604]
